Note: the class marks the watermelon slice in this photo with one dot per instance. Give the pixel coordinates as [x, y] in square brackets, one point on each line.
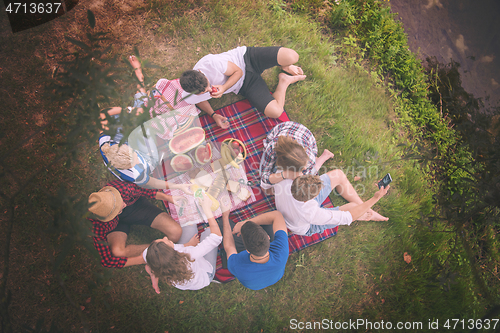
[187, 140]
[181, 163]
[203, 154]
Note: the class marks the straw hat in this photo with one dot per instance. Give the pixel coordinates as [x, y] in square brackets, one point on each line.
[107, 203]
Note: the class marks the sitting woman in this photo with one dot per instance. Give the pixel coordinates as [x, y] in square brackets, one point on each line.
[130, 165]
[166, 96]
[188, 265]
[290, 151]
[126, 163]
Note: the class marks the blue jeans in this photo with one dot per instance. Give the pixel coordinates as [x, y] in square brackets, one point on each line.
[323, 194]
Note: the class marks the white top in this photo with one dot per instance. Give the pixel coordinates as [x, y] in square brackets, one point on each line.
[200, 266]
[300, 215]
[213, 66]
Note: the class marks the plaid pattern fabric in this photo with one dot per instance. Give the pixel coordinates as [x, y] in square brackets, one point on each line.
[293, 130]
[251, 127]
[129, 192]
[171, 95]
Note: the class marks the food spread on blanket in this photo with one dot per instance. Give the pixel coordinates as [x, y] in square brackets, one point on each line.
[187, 140]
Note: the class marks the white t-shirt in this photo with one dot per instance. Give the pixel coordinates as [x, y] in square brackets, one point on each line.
[213, 66]
[200, 266]
[300, 215]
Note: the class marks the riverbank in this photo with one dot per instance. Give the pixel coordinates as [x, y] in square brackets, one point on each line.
[466, 31]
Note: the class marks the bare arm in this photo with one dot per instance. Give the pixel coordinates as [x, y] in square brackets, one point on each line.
[139, 260]
[214, 227]
[228, 240]
[278, 176]
[155, 183]
[235, 73]
[163, 196]
[275, 218]
[220, 120]
[359, 210]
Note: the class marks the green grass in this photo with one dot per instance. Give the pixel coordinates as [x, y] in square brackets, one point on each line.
[360, 273]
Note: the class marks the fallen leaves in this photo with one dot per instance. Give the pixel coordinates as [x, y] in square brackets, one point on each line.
[407, 257]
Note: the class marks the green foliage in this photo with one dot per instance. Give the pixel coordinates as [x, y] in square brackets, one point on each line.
[342, 15]
[449, 133]
[358, 273]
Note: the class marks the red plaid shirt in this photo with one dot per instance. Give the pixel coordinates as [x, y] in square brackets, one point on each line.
[130, 192]
[293, 130]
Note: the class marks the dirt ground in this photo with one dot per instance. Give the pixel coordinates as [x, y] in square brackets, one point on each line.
[466, 31]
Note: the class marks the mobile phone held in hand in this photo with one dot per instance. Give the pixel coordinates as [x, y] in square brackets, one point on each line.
[385, 181]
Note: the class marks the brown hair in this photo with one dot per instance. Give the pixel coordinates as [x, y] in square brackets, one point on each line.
[120, 156]
[193, 81]
[168, 264]
[307, 187]
[290, 154]
[255, 238]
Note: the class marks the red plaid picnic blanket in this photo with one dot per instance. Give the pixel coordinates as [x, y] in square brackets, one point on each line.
[251, 127]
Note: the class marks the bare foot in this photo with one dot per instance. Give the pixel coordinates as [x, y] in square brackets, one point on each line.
[289, 79]
[372, 215]
[137, 67]
[326, 154]
[293, 70]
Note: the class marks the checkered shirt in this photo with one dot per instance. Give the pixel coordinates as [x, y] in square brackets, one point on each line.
[293, 130]
[129, 192]
[172, 91]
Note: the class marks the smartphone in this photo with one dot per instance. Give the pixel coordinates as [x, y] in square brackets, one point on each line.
[385, 181]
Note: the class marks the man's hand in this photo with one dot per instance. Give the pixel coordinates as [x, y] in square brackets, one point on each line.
[225, 205]
[221, 121]
[195, 240]
[186, 188]
[154, 279]
[289, 174]
[217, 91]
[237, 228]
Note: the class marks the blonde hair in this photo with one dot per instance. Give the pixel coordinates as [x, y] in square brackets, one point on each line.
[307, 187]
[120, 156]
[290, 154]
[168, 264]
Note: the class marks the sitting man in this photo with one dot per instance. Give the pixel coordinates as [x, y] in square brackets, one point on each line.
[300, 203]
[257, 261]
[239, 71]
[115, 208]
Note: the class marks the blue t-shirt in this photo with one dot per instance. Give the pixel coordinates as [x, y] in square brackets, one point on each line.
[257, 276]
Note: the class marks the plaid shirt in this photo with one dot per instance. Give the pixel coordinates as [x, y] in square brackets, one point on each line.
[130, 192]
[167, 125]
[293, 130]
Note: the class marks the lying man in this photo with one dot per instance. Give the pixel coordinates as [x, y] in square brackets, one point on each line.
[257, 261]
[115, 208]
[300, 203]
[239, 71]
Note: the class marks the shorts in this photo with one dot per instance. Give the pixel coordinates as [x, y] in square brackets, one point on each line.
[254, 88]
[139, 99]
[142, 212]
[323, 194]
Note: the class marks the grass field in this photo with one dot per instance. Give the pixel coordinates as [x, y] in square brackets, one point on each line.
[358, 274]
